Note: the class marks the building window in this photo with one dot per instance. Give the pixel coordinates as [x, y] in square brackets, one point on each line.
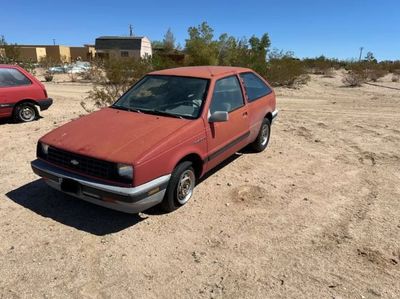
[124, 54]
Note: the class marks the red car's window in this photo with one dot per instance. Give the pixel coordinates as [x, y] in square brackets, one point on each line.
[167, 95]
[12, 77]
[227, 95]
[255, 87]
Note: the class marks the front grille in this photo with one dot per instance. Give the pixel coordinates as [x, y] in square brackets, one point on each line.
[83, 164]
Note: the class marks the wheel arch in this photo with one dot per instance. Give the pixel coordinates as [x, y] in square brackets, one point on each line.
[25, 101]
[269, 117]
[196, 161]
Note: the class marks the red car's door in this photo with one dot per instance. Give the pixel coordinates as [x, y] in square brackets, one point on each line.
[225, 138]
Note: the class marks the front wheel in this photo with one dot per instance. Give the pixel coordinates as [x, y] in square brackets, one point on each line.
[180, 187]
[25, 112]
[262, 139]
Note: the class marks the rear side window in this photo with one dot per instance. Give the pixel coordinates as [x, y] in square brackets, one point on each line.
[227, 95]
[12, 77]
[255, 87]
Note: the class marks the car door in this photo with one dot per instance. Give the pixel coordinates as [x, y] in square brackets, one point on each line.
[225, 138]
[13, 87]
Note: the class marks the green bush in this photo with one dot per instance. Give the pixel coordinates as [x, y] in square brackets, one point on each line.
[112, 78]
[320, 66]
[285, 70]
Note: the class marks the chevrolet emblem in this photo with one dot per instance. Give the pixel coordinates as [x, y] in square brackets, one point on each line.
[74, 162]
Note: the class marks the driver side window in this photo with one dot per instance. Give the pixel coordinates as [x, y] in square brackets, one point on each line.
[227, 95]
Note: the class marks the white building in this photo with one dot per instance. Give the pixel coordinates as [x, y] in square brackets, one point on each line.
[123, 46]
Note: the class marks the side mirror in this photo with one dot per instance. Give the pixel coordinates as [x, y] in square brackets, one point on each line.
[218, 116]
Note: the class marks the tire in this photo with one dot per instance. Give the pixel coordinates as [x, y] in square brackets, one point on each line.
[180, 187]
[262, 139]
[25, 112]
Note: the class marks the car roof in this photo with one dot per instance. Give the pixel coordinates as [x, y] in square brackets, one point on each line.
[10, 66]
[207, 72]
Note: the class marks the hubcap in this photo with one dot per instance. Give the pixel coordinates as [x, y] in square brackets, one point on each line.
[185, 186]
[264, 134]
[27, 113]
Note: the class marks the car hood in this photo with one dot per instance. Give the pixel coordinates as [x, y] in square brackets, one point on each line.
[114, 135]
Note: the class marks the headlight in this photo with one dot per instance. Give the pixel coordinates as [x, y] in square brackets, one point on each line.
[45, 148]
[125, 171]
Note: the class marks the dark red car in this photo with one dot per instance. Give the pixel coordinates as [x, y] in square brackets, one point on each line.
[21, 94]
[159, 138]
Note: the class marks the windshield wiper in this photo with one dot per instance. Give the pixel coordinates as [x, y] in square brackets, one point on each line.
[148, 111]
[126, 108]
[164, 113]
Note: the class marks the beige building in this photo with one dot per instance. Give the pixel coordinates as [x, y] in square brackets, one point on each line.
[56, 53]
[35, 54]
[79, 53]
[123, 46]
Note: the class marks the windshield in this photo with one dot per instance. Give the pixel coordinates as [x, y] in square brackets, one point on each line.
[166, 95]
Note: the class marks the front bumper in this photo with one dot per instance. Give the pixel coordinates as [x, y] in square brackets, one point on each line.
[124, 199]
[274, 114]
[45, 104]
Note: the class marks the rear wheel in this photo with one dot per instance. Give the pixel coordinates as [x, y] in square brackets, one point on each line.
[25, 112]
[180, 187]
[262, 139]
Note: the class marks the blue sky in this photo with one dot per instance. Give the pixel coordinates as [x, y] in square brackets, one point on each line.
[335, 28]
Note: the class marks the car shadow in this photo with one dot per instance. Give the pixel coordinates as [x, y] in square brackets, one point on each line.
[158, 211]
[11, 121]
[43, 200]
[6, 120]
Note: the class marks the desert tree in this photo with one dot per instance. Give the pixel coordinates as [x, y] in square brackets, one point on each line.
[200, 46]
[169, 41]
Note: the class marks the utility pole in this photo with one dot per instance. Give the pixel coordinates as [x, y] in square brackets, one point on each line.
[54, 41]
[130, 30]
[361, 50]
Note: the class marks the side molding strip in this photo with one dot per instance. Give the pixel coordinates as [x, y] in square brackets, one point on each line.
[228, 146]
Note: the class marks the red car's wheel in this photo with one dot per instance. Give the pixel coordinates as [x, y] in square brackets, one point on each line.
[180, 187]
[25, 112]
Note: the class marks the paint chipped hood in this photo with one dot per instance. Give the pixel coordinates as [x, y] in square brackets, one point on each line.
[114, 135]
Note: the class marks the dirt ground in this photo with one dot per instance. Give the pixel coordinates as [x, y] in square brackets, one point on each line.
[317, 215]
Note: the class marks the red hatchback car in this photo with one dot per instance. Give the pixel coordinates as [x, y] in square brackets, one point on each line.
[159, 138]
[20, 94]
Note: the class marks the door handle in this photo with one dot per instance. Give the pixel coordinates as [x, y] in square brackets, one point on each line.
[245, 114]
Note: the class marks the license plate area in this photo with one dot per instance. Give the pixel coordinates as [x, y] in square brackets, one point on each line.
[70, 186]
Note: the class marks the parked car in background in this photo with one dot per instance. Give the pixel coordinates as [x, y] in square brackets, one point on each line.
[77, 67]
[154, 143]
[21, 94]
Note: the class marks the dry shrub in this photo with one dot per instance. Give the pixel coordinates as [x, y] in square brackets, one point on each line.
[111, 79]
[286, 71]
[48, 77]
[73, 77]
[357, 75]
[352, 79]
[375, 73]
[395, 78]
[322, 66]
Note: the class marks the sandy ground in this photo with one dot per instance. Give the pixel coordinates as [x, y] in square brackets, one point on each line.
[317, 215]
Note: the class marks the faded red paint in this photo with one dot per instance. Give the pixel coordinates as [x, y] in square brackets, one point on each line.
[154, 145]
[12, 95]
